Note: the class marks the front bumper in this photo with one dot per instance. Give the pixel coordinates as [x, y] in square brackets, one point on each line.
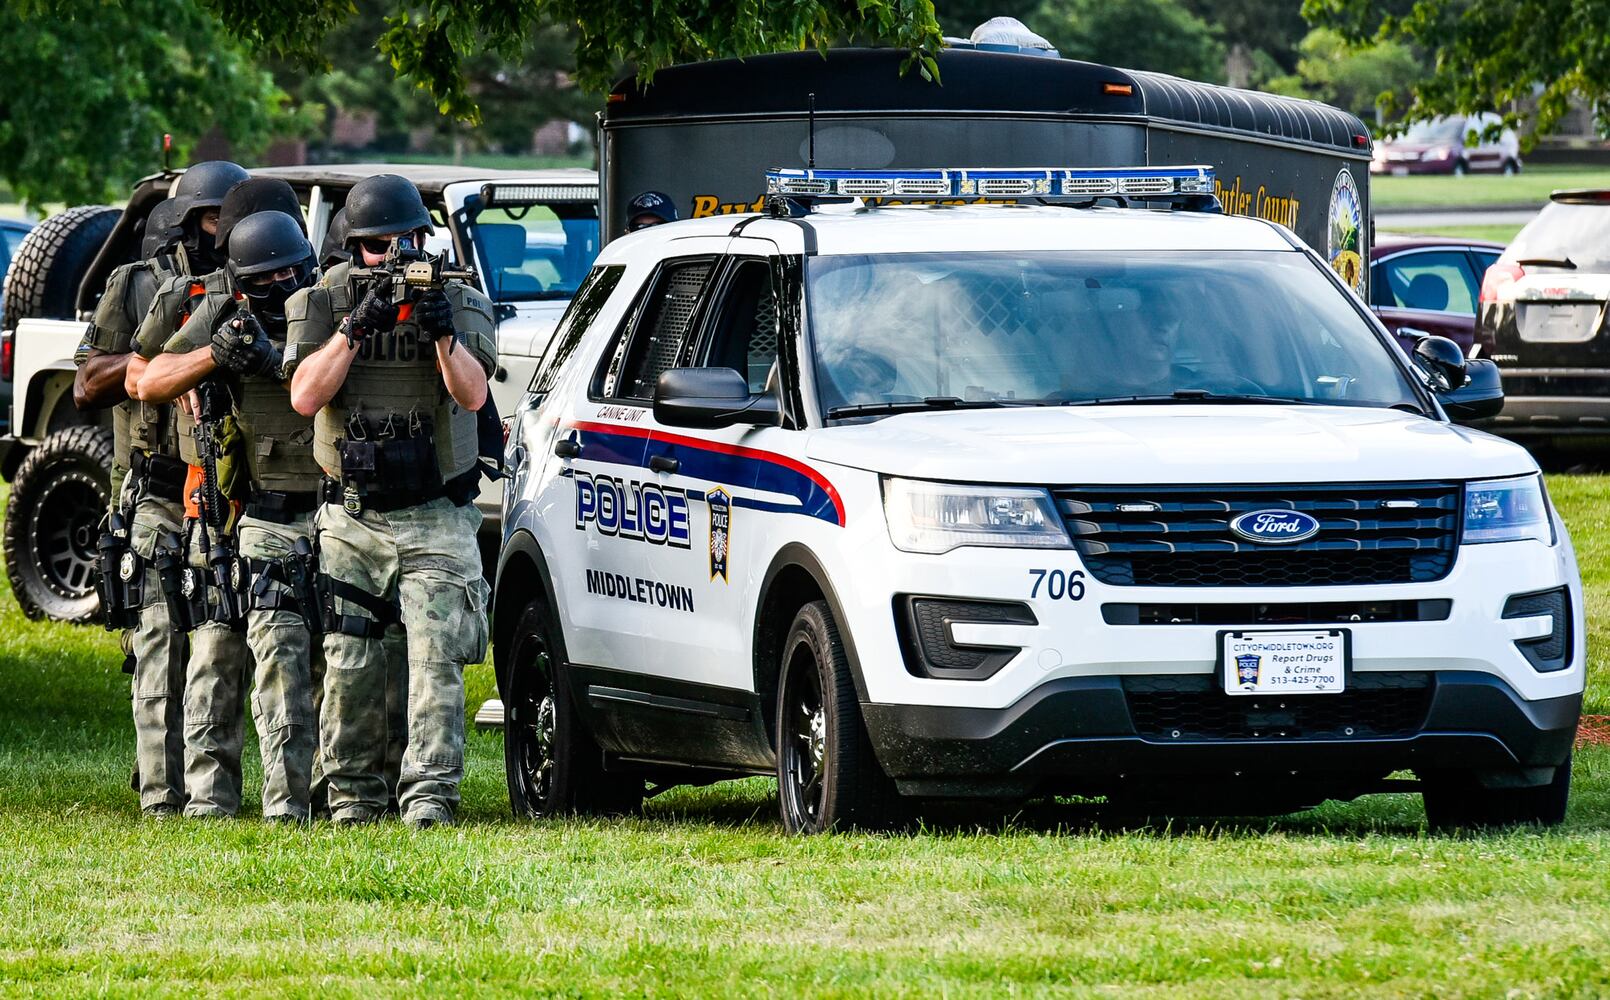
[1079, 734]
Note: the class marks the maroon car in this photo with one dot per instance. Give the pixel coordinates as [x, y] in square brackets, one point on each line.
[1430, 283]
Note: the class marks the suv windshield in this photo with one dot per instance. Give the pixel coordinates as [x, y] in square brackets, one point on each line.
[536, 252]
[1564, 231]
[1058, 328]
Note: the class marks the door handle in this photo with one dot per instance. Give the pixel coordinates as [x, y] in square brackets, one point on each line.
[567, 448]
[664, 463]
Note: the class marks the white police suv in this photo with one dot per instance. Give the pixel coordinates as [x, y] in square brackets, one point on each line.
[1110, 494]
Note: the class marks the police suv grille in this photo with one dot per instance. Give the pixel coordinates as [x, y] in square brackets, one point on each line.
[1179, 536]
[1374, 706]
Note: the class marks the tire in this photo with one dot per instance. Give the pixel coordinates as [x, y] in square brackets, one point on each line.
[58, 499]
[827, 775]
[1511, 168]
[1460, 168]
[1458, 802]
[44, 277]
[553, 765]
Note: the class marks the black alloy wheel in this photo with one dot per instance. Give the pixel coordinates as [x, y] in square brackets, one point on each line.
[552, 763]
[828, 777]
[58, 501]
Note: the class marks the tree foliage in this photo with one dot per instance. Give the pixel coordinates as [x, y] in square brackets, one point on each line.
[1489, 55]
[1360, 79]
[435, 43]
[1159, 35]
[91, 86]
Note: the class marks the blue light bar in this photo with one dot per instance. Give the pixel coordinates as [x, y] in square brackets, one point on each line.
[993, 182]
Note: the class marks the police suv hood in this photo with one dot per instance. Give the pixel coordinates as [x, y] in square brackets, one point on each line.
[1169, 444]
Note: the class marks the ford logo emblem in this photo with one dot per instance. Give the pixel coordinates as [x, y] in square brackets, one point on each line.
[1275, 527]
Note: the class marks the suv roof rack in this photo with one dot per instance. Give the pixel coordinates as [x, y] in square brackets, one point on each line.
[794, 192]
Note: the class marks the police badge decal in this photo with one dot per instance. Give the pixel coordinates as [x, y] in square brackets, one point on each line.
[1247, 668]
[720, 503]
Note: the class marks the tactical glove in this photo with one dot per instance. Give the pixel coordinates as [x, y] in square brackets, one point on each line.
[376, 313]
[241, 345]
[434, 316]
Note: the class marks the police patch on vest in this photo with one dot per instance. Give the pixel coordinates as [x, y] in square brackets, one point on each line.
[623, 508]
[720, 504]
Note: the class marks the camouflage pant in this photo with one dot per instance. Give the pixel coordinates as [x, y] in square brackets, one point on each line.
[287, 661]
[214, 729]
[159, 664]
[426, 558]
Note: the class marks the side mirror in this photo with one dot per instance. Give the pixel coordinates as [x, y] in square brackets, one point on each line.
[711, 397]
[1443, 361]
[1481, 396]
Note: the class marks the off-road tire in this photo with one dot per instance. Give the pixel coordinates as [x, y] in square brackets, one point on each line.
[58, 500]
[552, 763]
[43, 279]
[1457, 801]
[843, 786]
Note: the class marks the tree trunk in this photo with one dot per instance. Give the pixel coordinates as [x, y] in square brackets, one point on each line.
[1238, 65]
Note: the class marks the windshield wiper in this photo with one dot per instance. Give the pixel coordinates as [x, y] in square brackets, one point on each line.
[1564, 262]
[1192, 396]
[928, 403]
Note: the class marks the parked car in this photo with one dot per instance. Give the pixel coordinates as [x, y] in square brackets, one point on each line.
[1449, 146]
[1430, 283]
[1003, 501]
[1542, 308]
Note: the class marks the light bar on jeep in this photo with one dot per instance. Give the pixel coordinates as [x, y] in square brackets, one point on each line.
[993, 182]
[493, 195]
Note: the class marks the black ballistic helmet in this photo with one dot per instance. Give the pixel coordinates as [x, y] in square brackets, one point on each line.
[253, 195]
[163, 227]
[261, 245]
[335, 250]
[385, 204]
[205, 184]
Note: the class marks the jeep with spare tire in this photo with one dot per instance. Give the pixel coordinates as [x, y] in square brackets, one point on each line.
[530, 236]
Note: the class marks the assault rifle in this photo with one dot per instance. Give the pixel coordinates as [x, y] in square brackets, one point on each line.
[412, 271]
[215, 404]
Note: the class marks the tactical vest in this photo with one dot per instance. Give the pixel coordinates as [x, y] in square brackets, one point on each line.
[130, 291]
[394, 379]
[175, 308]
[279, 441]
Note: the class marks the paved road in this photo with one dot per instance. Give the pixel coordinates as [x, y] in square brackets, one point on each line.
[1408, 221]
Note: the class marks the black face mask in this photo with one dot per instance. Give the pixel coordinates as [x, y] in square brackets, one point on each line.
[204, 249]
[268, 300]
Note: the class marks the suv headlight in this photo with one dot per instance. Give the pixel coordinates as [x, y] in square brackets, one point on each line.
[1507, 510]
[937, 517]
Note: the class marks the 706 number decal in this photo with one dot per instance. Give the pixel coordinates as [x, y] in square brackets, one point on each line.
[1058, 585]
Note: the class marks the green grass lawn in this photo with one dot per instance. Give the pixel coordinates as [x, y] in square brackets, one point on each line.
[1531, 187]
[1501, 234]
[703, 895]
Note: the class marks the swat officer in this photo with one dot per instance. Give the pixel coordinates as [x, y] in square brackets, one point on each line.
[240, 336]
[145, 505]
[218, 652]
[393, 378]
[147, 479]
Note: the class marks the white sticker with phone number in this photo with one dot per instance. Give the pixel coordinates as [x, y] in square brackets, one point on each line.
[1284, 662]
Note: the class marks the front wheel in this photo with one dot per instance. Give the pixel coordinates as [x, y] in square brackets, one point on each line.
[827, 775]
[1461, 168]
[553, 765]
[1458, 801]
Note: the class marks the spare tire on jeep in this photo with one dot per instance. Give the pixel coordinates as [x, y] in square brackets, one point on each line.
[44, 277]
[53, 517]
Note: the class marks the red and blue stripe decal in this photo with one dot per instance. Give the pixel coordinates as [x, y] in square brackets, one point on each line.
[729, 465]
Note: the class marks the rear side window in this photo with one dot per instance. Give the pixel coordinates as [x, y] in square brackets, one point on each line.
[661, 332]
[744, 332]
[1439, 280]
[584, 308]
